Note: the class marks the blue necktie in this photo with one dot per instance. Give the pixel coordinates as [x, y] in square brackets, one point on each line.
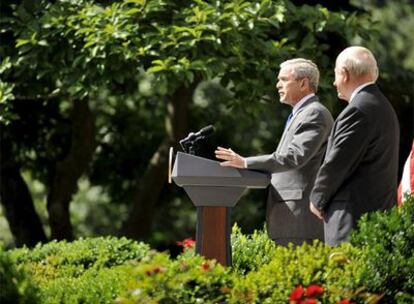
[288, 119]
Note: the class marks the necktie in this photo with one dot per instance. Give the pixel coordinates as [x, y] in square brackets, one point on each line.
[288, 119]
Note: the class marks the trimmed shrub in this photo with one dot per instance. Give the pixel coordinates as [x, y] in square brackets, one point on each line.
[337, 269]
[15, 284]
[271, 276]
[84, 253]
[388, 240]
[250, 252]
[377, 266]
[91, 270]
[189, 279]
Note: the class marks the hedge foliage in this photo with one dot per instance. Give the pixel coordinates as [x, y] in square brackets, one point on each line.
[15, 284]
[388, 240]
[190, 279]
[376, 267]
[335, 268]
[84, 271]
[250, 252]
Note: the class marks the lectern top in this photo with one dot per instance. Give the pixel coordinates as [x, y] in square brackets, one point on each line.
[190, 170]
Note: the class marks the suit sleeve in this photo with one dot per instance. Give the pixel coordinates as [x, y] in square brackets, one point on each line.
[345, 153]
[308, 137]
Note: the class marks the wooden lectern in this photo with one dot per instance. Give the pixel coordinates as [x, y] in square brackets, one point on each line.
[214, 190]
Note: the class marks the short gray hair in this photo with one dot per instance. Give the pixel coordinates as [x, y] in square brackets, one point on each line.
[358, 61]
[304, 68]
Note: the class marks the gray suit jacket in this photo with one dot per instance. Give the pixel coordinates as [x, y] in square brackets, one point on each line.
[294, 166]
[359, 172]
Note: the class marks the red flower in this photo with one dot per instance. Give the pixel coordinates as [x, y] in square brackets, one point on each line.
[154, 271]
[205, 266]
[309, 301]
[297, 293]
[314, 291]
[186, 243]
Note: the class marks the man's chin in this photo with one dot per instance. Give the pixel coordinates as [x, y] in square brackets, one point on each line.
[342, 97]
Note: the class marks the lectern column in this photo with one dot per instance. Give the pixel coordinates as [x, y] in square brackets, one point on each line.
[213, 233]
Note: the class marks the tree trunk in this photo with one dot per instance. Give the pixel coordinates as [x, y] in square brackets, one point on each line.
[148, 189]
[69, 170]
[24, 222]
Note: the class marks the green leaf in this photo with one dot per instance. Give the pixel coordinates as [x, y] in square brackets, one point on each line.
[20, 42]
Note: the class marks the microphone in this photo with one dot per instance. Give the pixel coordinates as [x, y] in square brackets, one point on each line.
[192, 139]
[205, 132]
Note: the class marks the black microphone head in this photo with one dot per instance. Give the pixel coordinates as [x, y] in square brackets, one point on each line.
[206, 131]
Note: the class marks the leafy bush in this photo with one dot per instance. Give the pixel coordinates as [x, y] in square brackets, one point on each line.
[377, 266]
[262, 273]
[388, 239]
[93, 286]
[16, 285]
[84, 271]
[188, 279]
[250, 252]
[337, 269]
[85, 253]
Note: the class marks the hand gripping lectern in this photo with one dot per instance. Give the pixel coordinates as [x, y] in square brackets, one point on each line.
[214, 190]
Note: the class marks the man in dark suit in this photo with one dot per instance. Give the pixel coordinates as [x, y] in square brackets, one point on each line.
[297, 158]
[359, 171]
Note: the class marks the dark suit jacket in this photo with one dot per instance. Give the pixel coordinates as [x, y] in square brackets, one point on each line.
[294, 165]
[359, 172]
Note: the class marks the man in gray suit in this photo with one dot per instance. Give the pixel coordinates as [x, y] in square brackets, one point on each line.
[297, 158]
[359, 172]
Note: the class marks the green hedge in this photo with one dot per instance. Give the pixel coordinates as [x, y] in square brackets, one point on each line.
[336, 269]
[270, 276]
[250, 252]
[85, 271]
[189, 279]
[16, 285]
[376, 267]
[388, 240]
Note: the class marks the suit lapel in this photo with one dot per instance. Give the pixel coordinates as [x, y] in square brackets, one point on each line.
[297, 114]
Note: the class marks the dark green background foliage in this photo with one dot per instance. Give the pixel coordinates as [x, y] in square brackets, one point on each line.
[93, 93]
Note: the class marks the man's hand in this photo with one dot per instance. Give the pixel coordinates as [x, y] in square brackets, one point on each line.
[231, 159]
[315, 211]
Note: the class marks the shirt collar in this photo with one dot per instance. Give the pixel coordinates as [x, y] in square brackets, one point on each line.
[358, 89]
[297, 106]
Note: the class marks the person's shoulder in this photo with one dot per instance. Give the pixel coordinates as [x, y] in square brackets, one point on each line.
[317, 106]
[317, 112]
[370, 96]
[353, 112]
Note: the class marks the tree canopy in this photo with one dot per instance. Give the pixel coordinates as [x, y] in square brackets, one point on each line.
[99, 90]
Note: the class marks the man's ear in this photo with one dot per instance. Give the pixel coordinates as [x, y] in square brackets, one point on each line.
[346, 75]
[304, 83]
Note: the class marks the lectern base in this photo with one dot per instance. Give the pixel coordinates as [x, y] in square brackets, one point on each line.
[213, 233]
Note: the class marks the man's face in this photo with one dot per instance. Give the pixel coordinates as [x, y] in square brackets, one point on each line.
[288, 87]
